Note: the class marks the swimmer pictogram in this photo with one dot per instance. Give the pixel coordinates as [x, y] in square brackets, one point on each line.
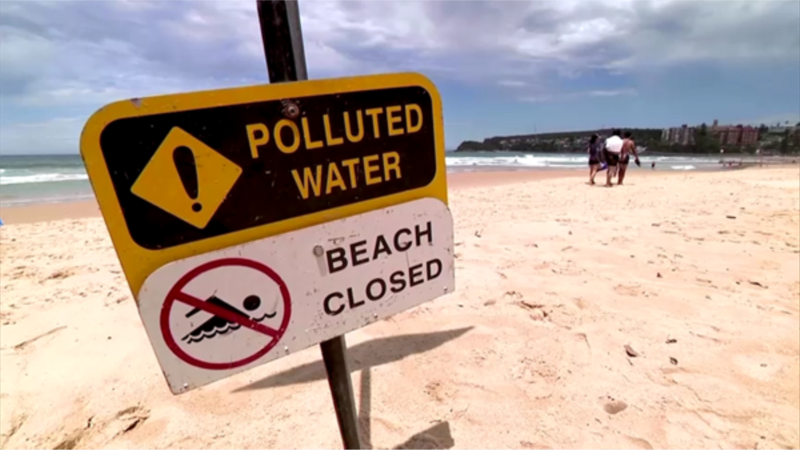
[228, 329]
[216, 325]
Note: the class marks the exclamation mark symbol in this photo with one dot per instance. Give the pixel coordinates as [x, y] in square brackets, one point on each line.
[187, 171]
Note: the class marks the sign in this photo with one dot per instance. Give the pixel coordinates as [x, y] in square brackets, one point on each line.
[216, 314]
[185, 174]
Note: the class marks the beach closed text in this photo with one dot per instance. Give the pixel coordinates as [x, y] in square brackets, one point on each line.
[363, 252]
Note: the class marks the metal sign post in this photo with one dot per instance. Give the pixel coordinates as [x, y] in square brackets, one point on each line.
[282, 38]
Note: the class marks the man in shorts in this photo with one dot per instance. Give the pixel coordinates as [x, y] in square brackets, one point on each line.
[611, 153]
[628, 147]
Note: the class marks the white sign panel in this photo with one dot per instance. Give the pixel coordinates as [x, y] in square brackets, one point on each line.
[216, 314]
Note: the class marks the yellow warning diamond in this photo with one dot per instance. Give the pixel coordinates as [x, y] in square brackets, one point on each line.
[161, 184]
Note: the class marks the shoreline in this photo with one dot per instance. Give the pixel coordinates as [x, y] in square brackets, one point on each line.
[462, 179]
[83, 209]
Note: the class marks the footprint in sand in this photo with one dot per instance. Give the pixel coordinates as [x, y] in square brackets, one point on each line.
[130, 418]
[105, 430]
[536, 371]
[546, 362]
[438, 391]
[580, 303]
[631, 291]
[613, 406]
[761, 366]
[60, 274]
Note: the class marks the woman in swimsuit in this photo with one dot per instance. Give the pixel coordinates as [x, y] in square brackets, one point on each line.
[594, 152]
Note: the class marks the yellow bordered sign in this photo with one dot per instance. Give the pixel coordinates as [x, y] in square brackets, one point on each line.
[184, 174]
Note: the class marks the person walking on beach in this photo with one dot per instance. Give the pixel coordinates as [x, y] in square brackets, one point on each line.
[611, 153]
[628, 147]
[594, 150]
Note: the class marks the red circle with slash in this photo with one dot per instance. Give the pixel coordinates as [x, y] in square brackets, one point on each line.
[177, 294]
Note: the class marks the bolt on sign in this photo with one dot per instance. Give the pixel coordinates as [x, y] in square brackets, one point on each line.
[183, 174]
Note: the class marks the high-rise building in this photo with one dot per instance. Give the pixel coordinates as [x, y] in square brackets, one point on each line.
[730, 135]
[735, 134]
[683, 135]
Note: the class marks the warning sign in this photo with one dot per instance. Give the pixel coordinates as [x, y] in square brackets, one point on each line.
[213, 322]
[216, 314]
[184, 174]
[173, 176]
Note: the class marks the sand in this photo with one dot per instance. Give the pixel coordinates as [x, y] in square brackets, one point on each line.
[89, 208]
[49, 212]
[698, 274]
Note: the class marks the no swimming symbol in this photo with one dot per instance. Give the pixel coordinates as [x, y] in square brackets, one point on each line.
[195, 343]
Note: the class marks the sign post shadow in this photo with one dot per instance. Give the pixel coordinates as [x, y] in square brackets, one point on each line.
[282, 38]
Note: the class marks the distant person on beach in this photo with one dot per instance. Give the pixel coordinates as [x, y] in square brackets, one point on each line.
[628, 147]
[594, 151]
[611, 153]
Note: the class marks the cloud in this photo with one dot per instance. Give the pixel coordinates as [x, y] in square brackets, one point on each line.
[512, 83]
[53, 136]
[549, 97]
[611, 92]
[60, 55]
[61, 51]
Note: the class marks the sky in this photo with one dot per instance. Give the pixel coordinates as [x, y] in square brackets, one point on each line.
[502, 68]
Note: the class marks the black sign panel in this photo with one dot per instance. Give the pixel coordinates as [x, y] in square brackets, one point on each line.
[329, 158]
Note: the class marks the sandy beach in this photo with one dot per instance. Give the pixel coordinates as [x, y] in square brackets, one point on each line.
[86, 209]
[660, 314]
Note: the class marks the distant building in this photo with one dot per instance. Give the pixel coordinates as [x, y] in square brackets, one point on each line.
[734, 134]
[683, 135]
[781, 129]
[730, 135]
[749, 135]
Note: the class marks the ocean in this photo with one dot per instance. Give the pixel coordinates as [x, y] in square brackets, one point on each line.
[62, 178]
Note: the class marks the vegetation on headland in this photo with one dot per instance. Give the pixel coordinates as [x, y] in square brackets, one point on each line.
[704, 142]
